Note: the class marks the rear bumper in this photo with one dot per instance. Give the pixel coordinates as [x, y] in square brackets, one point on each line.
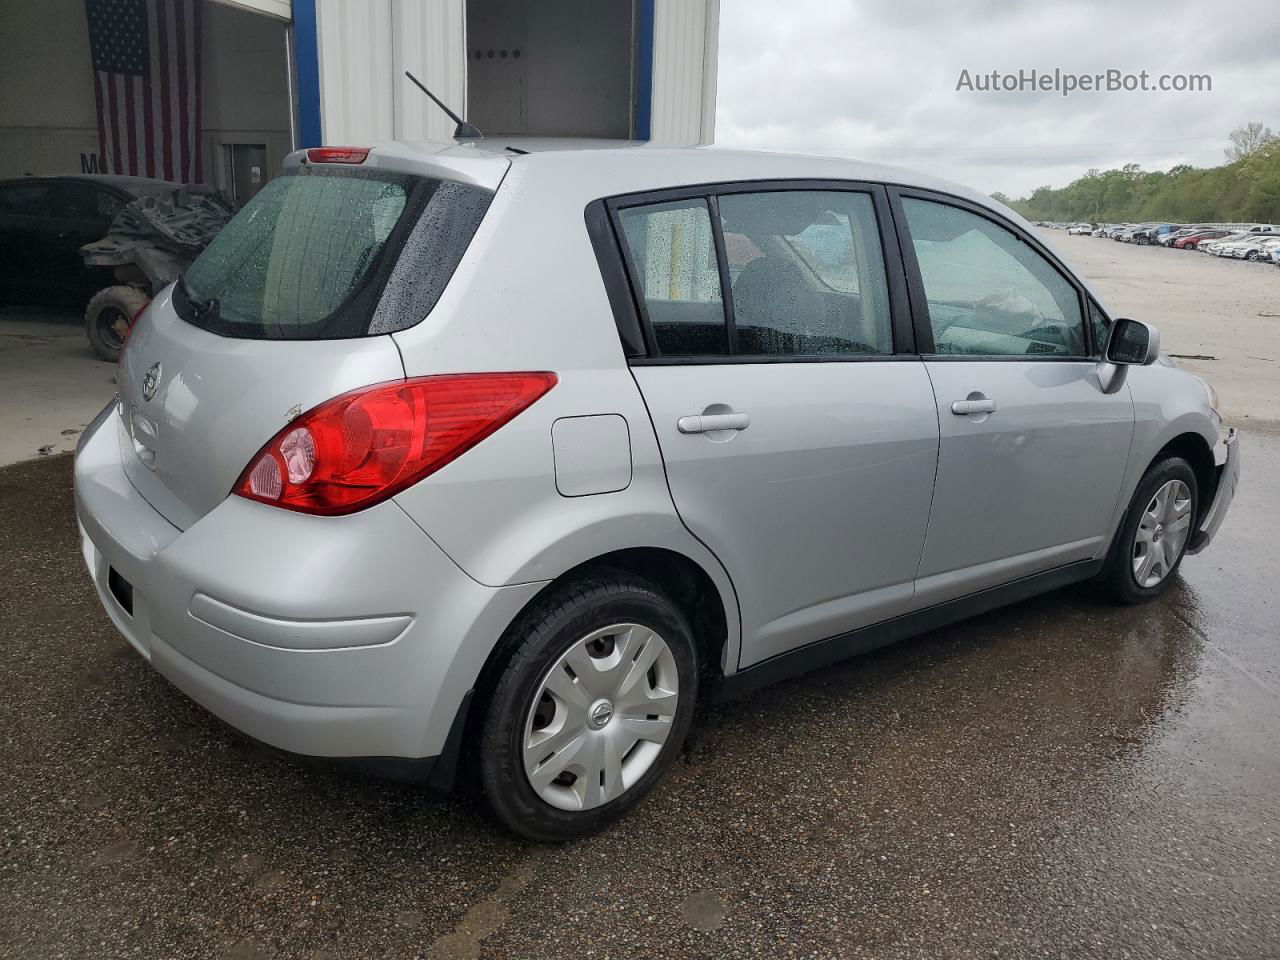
[324, 636]
[1228, 480]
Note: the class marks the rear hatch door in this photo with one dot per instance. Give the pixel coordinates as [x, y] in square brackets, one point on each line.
[196, 406]
[283, 311]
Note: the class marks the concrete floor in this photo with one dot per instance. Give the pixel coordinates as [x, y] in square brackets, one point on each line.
[51, 384]
[1220, 317]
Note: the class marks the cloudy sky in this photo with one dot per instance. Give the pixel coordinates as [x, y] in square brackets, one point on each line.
[876, 80]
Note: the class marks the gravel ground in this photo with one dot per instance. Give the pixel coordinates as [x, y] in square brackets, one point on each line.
[1221, 316]
[1061, 778]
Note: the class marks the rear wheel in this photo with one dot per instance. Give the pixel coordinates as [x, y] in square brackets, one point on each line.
[107, 319]
[590, 710]
[1153, 537]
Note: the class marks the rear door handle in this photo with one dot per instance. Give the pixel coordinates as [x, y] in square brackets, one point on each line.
[962, 408]
[707, 422]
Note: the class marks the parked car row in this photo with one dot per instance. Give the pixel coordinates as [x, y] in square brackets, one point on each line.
[1258, 242]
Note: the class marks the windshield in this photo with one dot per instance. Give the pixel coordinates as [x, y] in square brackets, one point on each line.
[310, 255]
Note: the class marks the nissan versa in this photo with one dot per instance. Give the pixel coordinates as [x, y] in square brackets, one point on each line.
[482, 463]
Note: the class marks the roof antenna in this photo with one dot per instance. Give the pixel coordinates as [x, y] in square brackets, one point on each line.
[464, 130]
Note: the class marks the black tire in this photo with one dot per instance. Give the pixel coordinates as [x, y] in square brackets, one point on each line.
[108, 310]
[1118, 577]
[537, 641]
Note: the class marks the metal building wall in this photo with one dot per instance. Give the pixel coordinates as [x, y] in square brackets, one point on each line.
[686, 37]
[363, 49]
[280, 9]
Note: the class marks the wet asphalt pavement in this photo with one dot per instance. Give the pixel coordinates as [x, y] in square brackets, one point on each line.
[1062, 778]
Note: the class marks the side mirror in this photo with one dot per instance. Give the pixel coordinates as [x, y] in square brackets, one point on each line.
[1133, 344]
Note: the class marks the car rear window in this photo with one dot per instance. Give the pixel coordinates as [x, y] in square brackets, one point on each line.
[314, 256]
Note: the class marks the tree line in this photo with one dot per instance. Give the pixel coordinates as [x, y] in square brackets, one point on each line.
[1244, 189]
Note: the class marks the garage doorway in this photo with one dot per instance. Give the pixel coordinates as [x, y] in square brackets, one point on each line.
[553, 68]
[245, 170]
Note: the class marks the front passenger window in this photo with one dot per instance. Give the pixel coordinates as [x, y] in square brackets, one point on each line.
[989, 292]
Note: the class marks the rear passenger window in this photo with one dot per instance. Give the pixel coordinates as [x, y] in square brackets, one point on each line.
[25, 199]
[807, 271]
[673, 256]
[989, 292]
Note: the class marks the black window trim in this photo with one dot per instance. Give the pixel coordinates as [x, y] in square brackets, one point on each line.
[726, 281]
[915, 282]
[631, 317]
[1090, 304]
[615, 274]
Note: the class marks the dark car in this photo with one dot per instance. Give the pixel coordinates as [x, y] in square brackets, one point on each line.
[44, 221]
[1152, 232]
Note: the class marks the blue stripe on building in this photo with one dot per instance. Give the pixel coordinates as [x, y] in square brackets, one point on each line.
[306, 65]
[643, 107]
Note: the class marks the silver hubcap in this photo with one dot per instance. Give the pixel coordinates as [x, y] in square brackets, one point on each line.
[600, 717]
[1162, 531]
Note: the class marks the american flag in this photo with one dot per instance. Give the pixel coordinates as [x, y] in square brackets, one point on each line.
[146, 79]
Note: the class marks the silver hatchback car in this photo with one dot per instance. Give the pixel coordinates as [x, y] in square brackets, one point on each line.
[483, 463]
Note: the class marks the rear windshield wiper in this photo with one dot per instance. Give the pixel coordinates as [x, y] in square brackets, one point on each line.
[202, 308]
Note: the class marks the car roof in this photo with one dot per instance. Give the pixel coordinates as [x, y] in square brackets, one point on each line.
[627, 166]
[135, 186]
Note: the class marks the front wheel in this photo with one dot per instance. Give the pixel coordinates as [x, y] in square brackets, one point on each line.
[591, 708]
[1152, 540]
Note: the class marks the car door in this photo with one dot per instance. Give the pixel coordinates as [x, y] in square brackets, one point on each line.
[797, 428]
[24, 211]
[1032, 450]
[84, 212]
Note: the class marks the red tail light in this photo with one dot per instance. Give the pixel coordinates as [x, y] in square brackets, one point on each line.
[133, 322]
[337, 154]
[367, 445]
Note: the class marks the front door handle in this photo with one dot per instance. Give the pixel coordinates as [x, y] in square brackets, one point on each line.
[962, 408]
[707, 422]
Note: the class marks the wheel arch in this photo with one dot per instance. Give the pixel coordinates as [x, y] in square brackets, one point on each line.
[685, 581]
[712, 614]
[1193, 448]
[1171, 420]
[1188, 444]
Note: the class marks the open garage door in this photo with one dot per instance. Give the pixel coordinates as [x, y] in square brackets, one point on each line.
[238, 92]
[563, 68]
